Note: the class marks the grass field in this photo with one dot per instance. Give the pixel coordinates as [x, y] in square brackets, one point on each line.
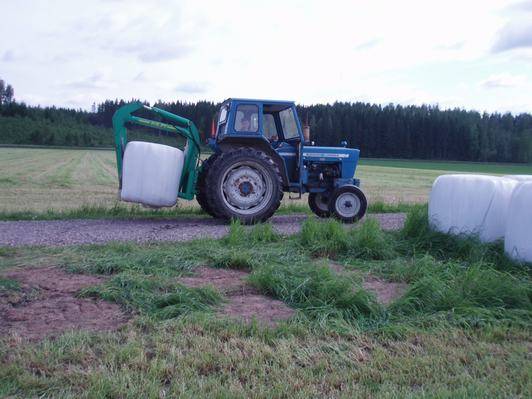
[461, 328]
[40, 180]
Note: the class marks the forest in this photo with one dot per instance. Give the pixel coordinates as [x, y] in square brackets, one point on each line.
[381, 131]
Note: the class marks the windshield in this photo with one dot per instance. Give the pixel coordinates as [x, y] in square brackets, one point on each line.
[288, 123]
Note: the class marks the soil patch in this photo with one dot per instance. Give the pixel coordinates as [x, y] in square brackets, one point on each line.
[265, 310]
[385, 291]
[224, 280]
[46, 305]
[244, 302]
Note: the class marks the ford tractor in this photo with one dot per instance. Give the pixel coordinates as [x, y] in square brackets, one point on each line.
[259, 152]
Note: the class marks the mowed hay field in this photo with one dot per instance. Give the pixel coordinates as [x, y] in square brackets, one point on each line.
[40, 180]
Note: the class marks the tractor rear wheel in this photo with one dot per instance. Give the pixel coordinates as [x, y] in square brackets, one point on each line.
[348, 204]
[244, 184]
[201, 187]
[319, 204]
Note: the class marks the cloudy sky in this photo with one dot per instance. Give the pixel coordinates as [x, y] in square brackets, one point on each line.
[468, 54]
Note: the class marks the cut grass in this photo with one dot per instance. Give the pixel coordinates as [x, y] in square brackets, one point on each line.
[155, 296]
[60, 183]
[451, 166]
[461, 329]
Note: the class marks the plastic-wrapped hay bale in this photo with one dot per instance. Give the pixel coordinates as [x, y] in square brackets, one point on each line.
[519, 177]
[470, 204]
[494, 226]
[151, 173]
[518, 237]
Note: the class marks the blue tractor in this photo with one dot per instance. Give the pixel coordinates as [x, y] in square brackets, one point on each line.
[260, 152]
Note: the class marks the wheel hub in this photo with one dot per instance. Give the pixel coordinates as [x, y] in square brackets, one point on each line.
[244, 187]
[347, 205]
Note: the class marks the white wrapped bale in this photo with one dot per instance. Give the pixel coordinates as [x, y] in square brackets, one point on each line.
[518, 237]
[519, 177]
[151, 173]
[494, 226]
[470, 204]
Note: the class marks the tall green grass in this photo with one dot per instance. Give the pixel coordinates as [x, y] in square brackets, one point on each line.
[331, 238]
[418, 237]
[154, 295]
[317, 291]
[457, 278]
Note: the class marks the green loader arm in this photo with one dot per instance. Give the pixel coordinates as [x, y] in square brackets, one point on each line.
[178, 125]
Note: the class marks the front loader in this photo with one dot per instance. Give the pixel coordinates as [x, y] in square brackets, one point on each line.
[259, 153]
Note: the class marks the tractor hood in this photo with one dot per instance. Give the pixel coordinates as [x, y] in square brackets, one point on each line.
[347, 157]
[332, 154]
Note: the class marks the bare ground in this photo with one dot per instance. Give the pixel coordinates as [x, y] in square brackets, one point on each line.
[75, 232]
[46, 305]
[244, 303]
[385, 291]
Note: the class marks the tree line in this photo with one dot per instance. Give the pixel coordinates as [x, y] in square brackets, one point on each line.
[384, 131]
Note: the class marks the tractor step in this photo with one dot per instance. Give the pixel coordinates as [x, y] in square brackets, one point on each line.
[298, 192]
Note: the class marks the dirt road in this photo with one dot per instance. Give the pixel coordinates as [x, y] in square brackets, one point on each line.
[74, 232]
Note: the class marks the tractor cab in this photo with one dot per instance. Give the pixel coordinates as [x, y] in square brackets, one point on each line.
[272, 125]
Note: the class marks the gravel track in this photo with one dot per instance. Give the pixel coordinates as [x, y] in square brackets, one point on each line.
[75, 232]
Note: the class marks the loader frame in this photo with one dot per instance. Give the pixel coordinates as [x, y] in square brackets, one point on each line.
[177, 124]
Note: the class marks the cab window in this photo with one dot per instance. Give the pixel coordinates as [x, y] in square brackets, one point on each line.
[270, 129]
[247, 118]
[288, 123]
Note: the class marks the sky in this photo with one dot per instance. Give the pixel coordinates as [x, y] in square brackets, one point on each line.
[466, 54]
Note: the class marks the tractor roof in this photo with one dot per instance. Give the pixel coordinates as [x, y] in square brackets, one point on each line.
[273, 102]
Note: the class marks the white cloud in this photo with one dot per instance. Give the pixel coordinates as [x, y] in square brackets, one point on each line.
[504, 81]
[193, 87]
[515, 34]
[306, 50]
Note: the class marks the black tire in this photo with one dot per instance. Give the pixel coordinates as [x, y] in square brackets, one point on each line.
[258, 193]
[348, 204]
[201, 187]
[319, 204]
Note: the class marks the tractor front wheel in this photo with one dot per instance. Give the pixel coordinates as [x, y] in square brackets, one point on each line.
[348, 204]
[244, 184]
[319, 204]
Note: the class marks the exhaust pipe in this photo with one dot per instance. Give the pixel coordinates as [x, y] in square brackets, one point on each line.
[306, 133]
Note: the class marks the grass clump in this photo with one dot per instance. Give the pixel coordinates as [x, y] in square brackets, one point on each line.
[154, 295]
[418, 237]
[115, 211]
[116, 257]
[315, 290]
[327, 238]
[7, 285]
[184, 300]
[331, 239]
[232, 259]
[237, 234]
[369, 242]
[263, 233]
[459, 288]
[6, 252]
